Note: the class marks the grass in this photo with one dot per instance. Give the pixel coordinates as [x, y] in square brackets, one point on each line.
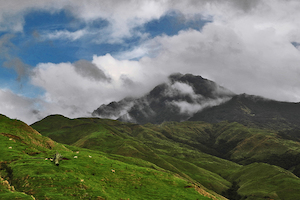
[259, 180]
[87, 177]
[92, 175]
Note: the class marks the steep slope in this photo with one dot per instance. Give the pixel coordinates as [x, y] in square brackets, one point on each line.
[180, 147]
[175, 100]
[27, 173]
[253, 111]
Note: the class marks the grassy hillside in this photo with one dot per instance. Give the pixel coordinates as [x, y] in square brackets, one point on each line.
[125, 139]
[27, 173]
[259, 180]
[188, 149]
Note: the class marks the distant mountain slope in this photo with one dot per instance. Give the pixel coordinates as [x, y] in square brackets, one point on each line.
[175, 100]
[184, 148]
[253, 110]
[27, 173]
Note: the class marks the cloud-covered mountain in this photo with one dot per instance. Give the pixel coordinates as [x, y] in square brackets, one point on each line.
[193, 98]
[175, 100]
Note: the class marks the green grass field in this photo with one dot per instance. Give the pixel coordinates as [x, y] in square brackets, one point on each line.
[27, 174]
[192, 150]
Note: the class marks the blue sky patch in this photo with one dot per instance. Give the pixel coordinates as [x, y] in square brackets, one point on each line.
[41, 20]
[173, 22]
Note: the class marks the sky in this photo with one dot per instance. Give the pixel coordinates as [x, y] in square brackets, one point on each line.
[71, 56]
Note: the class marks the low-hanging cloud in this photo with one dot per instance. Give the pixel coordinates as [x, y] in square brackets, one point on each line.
[197, 102]
[192, 108]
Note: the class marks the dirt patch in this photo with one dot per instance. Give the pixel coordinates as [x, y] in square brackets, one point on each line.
[11, 136]
[50, 144]
[206, 194]
[6, 184]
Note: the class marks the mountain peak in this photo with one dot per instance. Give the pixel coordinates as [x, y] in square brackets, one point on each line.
[175, 100]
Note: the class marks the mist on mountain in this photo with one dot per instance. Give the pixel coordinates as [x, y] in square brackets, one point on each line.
[175, 100]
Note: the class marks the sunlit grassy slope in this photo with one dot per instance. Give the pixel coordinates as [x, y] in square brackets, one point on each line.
[264, 181]
[192, 150]
[82, 174]
[139, 142]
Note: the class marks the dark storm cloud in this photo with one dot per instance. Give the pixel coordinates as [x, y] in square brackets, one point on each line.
[22, 69]
[246, 5]
[89, 70]
[6, 46]
[10, 60]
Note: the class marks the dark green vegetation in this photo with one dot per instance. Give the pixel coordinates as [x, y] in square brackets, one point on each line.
[232, 159]
[255, 111]
[83, 173]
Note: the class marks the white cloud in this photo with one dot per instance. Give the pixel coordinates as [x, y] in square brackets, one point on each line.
[66, 35]
[235, 54]
[192, 108]
[67, 92]
[116, 68]
[183, 88]
[74, 93]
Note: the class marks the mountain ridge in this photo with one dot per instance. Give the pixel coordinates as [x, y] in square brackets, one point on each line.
[193, 98]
